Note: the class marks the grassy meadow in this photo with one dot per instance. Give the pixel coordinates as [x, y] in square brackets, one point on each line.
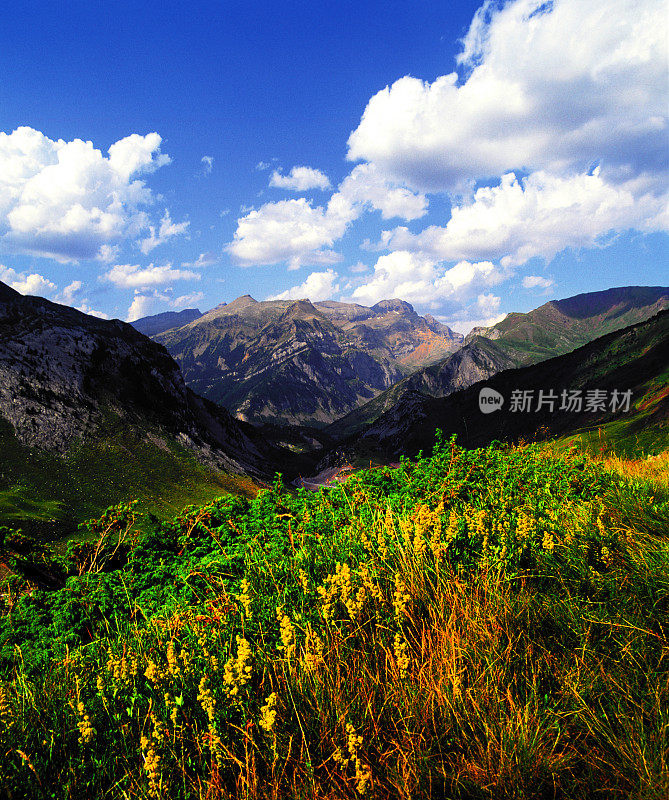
[473, 624]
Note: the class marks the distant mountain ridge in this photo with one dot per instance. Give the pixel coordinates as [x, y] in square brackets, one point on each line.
[555, 328]
[157, 323]
[297, 362]
[634, 359]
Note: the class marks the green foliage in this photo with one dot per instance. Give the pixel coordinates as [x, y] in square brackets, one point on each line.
[489, 622]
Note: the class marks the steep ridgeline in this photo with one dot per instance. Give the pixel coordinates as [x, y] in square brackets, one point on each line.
[301, 363]
[634, 359]
[67, 379]
[557, 327]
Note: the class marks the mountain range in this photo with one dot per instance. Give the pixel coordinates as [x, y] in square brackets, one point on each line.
[297, 362]
[555, 328]
[92, 411]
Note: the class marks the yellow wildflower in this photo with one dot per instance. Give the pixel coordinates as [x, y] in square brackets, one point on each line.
[86, 729]
[268, 713]
[401, 596]
[401, 648]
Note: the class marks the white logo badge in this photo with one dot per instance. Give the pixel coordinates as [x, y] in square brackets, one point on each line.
[490, 400]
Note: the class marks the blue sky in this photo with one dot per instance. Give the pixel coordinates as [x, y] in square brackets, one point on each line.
[471, 158]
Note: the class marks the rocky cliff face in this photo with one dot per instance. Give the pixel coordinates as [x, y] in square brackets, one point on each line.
[298, 362]
[64, 376]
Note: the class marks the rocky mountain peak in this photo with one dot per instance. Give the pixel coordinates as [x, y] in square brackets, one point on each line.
[399, 306]
[239, 303]
[301, 308]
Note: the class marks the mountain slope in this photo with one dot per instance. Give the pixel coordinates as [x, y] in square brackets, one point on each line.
[555, 328]
[301, 363]
[73, 386]
[634, 359]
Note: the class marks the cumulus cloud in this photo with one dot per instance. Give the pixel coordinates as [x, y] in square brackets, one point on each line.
[366, 188]
[165, 231]
[539, 215]
[548, 86]
[420, 279]
[144, 303]
[290, 230]
[299, 233]
[148, 301]
[187, 300]
[318, 286]
[537, 282]
[131, 276]
[207, 165]
[27, 283]
[300, 179]
[67, 201]
[67, 296]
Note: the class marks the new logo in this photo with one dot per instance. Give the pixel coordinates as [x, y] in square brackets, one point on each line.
[490, 400]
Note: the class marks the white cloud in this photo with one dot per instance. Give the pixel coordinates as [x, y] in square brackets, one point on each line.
[318, 286]
[38, 285]
[207, 164]
[262, 165]
[482, 313]
[148, 301]
[290, 230]
[539, 215]
[300, 179]
[130, 276]
[552, 86]
[85, 308]
[537, 282]
[24, 283]
[136, 154]
[488, 304]
[465, 325]
[67, 296]
[299, 233]
[366, 187]
[144, 304]
[187, 300]
[108, 253]
[420, 279]
[65, 200]
[166, 231]
[203, 260]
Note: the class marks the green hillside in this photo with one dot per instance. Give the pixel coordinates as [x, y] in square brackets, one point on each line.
[476, 624]
[49, 495]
